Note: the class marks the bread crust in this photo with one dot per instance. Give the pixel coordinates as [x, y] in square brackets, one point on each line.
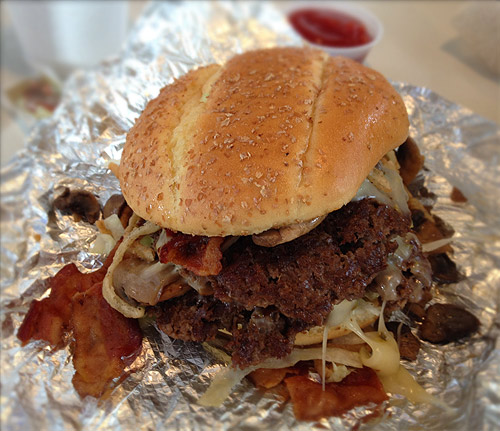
[314, 335]
[274, 137]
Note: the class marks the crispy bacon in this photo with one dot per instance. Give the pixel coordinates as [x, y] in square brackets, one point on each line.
[270, 377]
[311, 403]
[49, 318]
[105, 342]
[200, 254]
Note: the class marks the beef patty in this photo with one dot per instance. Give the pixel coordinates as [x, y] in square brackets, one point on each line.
[265, 296]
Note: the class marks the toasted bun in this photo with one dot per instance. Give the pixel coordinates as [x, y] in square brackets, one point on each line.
[272, 138]
[314, 335]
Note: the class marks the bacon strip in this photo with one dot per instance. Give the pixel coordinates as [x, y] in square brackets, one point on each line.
[270, 377]
[200, 254]
[311, 403]
[105, 342]
[49, 318]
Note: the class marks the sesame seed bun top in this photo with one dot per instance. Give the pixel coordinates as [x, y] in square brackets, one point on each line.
[271, 138]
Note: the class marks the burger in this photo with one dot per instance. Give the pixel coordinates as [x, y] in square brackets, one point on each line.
[269, 213]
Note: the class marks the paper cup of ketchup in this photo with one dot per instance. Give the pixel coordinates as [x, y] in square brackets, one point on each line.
[337, 28]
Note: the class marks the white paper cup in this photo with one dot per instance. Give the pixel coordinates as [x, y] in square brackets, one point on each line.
[63, 35]
[371, 22]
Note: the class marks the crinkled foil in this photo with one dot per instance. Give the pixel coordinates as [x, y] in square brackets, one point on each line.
[73, 148]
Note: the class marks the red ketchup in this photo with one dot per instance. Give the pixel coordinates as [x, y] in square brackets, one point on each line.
[328, 27]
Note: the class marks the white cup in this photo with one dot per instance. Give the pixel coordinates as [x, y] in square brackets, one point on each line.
[373, 26]
[63, 35]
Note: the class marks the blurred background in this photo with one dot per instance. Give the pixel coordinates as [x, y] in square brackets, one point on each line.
[450, 47]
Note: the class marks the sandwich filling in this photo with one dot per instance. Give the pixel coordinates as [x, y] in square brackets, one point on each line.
[266, 297]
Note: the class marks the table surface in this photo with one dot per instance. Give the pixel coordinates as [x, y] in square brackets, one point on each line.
[420, 46]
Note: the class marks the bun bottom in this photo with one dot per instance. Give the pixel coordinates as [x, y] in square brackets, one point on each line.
[315, 335]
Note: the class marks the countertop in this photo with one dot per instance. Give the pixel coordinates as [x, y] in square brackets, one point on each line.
[420, 45]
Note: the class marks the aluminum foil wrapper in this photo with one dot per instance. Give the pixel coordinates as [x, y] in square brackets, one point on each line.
[88, 130]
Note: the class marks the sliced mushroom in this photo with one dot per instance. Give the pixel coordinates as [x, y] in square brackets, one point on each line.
[142, 281]
[444, 270]
[410, 160]
[177, 288]
[273, 237]
[426, 227]
[116, 204]
[444, 323]
[197, 282]
[80, 203]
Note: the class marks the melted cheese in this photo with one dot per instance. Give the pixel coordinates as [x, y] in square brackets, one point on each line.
[338, 373]
[399, 194]
[228, 377]
[339, 315]
[368, 190]
[402, 382]
[434, 245]
[323, 356]
[163, 239]
[384, 359]
[387, 282]
[390, 278]
[385, 185]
